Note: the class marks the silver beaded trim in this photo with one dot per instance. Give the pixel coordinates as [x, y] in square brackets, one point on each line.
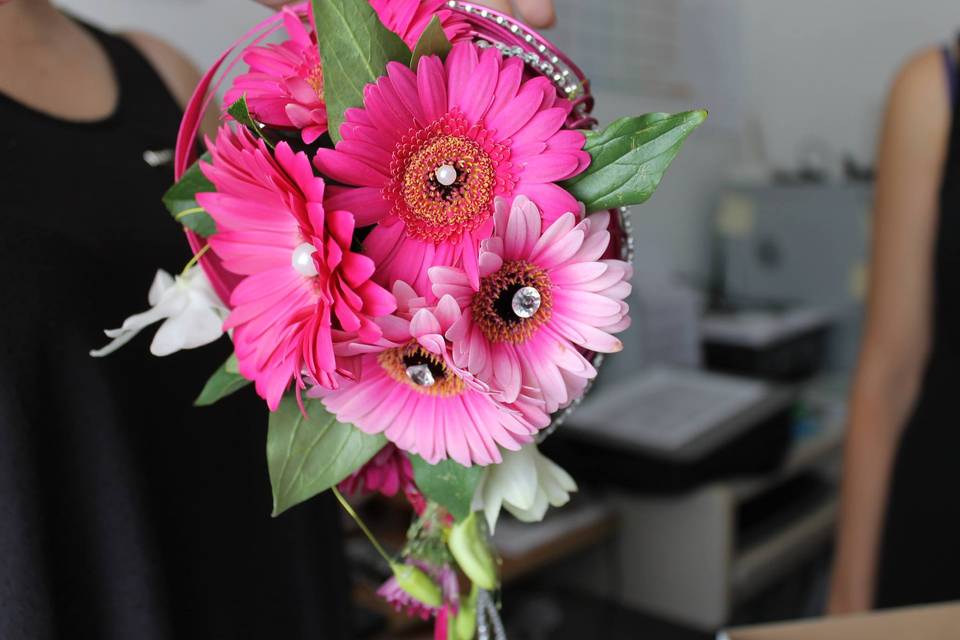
[489, 625]
[542, 59]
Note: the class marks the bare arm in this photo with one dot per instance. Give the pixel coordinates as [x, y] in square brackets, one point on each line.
[897, 334]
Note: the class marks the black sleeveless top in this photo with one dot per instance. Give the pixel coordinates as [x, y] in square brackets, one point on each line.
[124, 511]
[920, 554]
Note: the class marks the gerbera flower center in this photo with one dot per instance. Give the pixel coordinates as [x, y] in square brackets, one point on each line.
[444, 178]
[513, 302]
[421, 370]
[315, 80]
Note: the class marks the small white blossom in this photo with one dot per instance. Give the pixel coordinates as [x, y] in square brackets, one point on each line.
[192, 313]
[525, 483]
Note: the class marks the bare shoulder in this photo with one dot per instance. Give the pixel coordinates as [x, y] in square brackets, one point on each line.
[175, 68]
[920, 95]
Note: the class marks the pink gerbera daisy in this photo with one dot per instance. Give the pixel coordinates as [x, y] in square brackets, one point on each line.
[430, 151]
[408, 18]
[303, 288]
[539, 297]
[388, 472]
[284, 84]
[410, 390]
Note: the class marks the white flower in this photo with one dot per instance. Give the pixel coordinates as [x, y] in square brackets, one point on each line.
[526, 483]
[192, 312]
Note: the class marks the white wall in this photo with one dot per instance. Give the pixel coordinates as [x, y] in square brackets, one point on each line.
[822, 67]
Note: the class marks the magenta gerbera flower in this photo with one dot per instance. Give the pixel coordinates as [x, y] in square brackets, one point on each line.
[304, 288]
[429, 151]
[410, 390]
[540, 296]
[388, 472]
[408, 18]
[284, 84]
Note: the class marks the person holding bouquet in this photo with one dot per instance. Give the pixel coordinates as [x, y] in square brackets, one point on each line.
[125, 512]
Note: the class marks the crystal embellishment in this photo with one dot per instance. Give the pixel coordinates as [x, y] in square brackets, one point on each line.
[421, 375]
[526, 302]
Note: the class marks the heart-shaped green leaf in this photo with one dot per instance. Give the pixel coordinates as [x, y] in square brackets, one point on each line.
[355, 48]
[448, 483]
[433, 42]
[309, 454]
[224, 381]
[629, 157]
[181, 200]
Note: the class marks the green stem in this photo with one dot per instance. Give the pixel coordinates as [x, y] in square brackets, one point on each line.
[196, 257]
[363, 527]
[187, 212]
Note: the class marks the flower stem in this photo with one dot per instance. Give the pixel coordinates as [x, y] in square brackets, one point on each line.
[363, 527]
[196, 258]
[187, 212]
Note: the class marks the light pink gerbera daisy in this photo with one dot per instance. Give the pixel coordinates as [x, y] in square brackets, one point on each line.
[304, 288]
[430, 151]
[410, 390]
[540, 296]
[284, 84]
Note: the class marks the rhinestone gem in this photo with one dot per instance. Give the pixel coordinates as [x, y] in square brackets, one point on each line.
[526, 302]
[446, 174]
[421, 375]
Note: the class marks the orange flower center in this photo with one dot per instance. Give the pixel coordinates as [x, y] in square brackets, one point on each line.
[315, 80]
[444, 178]
[421, 370]
[495, 308]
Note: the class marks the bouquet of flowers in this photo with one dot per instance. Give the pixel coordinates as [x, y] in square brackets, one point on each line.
[416, 239]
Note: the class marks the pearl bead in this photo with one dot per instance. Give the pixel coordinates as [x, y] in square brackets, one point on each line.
[302, 260]
[421, 375]
[526, 302]
[446, 174]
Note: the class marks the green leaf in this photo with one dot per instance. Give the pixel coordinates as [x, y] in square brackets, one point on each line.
[447, 483]
[629, 157]
[181, 200]
[433, 42]
[225, 381]
[241, 113]
[308, 455]
[355, 48]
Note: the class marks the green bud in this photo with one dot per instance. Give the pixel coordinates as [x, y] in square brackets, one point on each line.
[417, 584]
[464, 626]
[469, 548]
